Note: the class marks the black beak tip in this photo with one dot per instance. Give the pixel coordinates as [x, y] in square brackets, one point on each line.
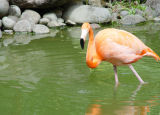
[82, 43]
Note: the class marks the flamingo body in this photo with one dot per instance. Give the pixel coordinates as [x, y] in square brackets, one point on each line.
[116, 46]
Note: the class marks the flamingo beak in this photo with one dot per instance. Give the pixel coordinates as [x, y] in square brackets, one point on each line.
[82, 43]
[83, 37]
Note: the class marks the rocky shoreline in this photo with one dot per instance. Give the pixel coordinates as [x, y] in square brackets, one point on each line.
[17, 17]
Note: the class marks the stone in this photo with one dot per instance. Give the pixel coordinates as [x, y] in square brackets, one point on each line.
[15, 18]
[4, 7]
[132, 19]
[149, 13]
[114, 17]
[22, 26]
[14, 11]
[60, 20]
[157, 19]
[40, 4]
[139, 12]
[44, 21]
[95, 26]
[53, 23]
[40, 29]
[86, 13]
[154, 4]
[8, 23]
[124, 13]
[70, 22]
[8, 31]
[51, 16]
[95, 3]
[31, 16]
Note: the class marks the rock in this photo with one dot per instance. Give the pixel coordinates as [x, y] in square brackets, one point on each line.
[155, 4]
[14, 11]
[22, 26]
[8, 31]
[50, 16]
[69, 22]
[44, 21]
[139, 12]
[95, 26]
[157, 19]
[4, 7]
[124, 13]
[40, 29]
[31, 16]
[53, 23]
[86, 13]
[58, 13]
[60, 20]
[95, 3]
[8, 23]
[40, 4]
[114, 17]
[0, 34]
[149, 13]
[132, 19]
[15, 18]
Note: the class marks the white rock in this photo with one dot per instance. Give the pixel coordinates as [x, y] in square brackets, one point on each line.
[8, 31]
[53, 23]
[31, 15]
[14, 11]
[8, 23]
[22, 26]
[40, 29]
[86, 13]
[50, 16]
[4, 7]
[44, 21]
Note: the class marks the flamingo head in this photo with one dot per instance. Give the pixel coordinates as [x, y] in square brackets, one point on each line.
[84, 31]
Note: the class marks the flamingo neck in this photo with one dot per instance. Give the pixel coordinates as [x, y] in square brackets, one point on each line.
[92, 59]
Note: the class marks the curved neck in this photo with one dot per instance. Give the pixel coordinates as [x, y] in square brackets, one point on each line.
[92, 58]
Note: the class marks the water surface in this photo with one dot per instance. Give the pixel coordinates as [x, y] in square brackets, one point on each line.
[47, 75]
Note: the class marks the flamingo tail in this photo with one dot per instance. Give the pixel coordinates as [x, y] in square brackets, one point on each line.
[149, 52]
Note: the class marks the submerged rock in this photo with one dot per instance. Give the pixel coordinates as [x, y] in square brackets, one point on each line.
[86, 13]
[22, 26]
[4, 7]
[132, 19]
[40, 29]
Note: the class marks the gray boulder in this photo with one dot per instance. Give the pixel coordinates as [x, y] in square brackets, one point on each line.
[86, 13]
[155, 4]
[14, 11]
[40, 29]
[132, 19]
[22, 26]
[31, 16]
[44, 21]
[4, 7]
[51, 16]
[8, 23]
[124, 13]
[149, 13]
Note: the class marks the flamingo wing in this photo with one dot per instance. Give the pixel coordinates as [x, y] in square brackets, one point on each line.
[121, 47]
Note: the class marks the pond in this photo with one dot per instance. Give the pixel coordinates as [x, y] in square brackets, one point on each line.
[49, 76]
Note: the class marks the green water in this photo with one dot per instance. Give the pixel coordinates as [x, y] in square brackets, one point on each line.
[49, 76]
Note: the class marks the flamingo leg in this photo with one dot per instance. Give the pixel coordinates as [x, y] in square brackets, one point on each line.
[136, 74]
[115, 73]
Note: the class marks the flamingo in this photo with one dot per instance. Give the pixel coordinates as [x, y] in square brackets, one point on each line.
[116, 46]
